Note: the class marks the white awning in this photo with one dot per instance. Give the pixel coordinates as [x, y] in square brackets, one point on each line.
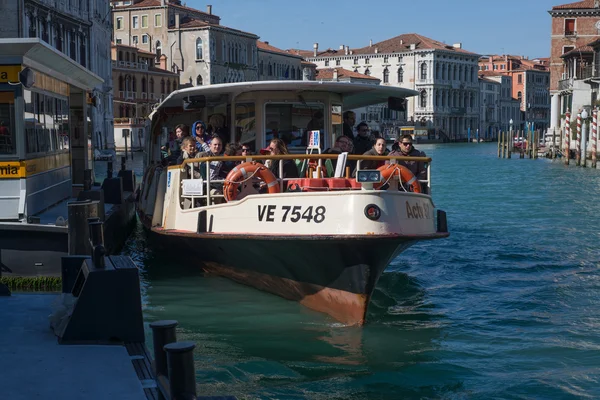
[37, 54]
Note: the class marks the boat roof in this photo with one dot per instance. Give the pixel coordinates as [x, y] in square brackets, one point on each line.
[354, 95]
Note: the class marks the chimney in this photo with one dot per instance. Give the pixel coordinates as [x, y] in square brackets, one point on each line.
[401, 41]
[341, 47]
[457, 45]
[163, 62]
[370, 42]
[209, 9]
[335, 74]
[376, 50]
[315, 49]
[346, 50]
[176, 21]
[413, 46]
[266, 42]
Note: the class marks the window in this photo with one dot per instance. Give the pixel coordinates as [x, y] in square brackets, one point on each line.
[245, 122]
[198, 49]
[292, 122]
[424, 71]
[119, 23]
[386, 59]
[162, 86]
[386, 76]
[151, 88]
[8, 144]
[144, 86]
[366, 60]
[158, 50]
[199, 80]
[327, 63]
[157, 20]
[144, 21]
[337, 62]
[145, 39]
[570, 27]
[400, 75]
[355, 61]
[135, 22]
[423, 99]
[119, 41]
[520, 79]
[567, 49]
[134, 39]
[368, 72]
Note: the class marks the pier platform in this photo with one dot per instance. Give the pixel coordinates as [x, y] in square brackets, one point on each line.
[34, 366]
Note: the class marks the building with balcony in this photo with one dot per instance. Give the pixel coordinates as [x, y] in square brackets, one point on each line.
[574, 27]
[444, 75]
[139, 84]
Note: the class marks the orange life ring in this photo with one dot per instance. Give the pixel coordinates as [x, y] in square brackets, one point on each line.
[244, 171]
[405, 174]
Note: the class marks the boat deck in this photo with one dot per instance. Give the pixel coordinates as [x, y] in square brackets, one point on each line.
[34, 366]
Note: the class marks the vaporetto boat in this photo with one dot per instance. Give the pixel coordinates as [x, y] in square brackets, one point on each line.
[321, 240]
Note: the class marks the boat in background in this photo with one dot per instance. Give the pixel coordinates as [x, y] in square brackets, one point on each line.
[322, 239]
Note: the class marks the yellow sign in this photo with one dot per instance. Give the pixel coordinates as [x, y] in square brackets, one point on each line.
[12, 169]
[23, 169]
[9, 73]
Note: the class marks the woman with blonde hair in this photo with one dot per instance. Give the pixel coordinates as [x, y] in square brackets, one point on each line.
[278, 147]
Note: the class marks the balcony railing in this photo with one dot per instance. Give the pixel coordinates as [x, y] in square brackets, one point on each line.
[131, 65]
[565, 84]
[129, 121]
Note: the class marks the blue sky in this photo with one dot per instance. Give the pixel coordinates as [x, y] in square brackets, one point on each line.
[519, 27]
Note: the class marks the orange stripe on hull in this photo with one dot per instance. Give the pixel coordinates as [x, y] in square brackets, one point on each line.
[346, 307]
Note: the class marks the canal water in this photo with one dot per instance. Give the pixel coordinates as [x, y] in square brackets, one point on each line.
[507, 307]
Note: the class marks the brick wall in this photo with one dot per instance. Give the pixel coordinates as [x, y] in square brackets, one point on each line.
[585, 32]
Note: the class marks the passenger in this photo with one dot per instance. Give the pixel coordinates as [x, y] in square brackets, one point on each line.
[231, 149]
[349, 121]
[278, 147]
[362, 141]
[317, 123]
[199, 134]
[217, 127]
[404, 147]
[189, 150]
[176, 142]
[343, 144]
[215, 150]
[377, 150]
[246, 150]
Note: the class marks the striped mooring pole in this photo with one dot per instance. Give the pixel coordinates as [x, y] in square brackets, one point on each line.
[578, 141]
[567, 136]
[594, 135]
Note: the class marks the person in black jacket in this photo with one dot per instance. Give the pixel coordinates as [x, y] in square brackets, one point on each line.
[362, 141]
[349, 121]
[278, 147]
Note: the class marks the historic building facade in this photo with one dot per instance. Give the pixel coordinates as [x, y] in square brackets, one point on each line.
[574, 27]
[277, 64]
[82, 31]
[139, 85]
[444, 75]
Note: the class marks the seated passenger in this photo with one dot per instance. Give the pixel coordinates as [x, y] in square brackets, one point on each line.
[278, 147]
[231, 149]
[199, 134]
[189, 150]
[404, 147]
[216, 149]
[377, 150]
[343, 144]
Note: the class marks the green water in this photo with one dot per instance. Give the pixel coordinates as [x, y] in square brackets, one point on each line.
[506, 308]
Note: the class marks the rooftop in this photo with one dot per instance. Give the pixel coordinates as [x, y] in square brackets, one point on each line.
[585, 4]
[267, 47]
[327, 74]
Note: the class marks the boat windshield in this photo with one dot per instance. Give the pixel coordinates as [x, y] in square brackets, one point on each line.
[291, 122]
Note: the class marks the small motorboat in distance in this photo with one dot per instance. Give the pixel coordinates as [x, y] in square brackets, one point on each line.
[321, 237]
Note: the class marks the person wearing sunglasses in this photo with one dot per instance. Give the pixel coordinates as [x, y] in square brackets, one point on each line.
[199, 134]
[404, 147]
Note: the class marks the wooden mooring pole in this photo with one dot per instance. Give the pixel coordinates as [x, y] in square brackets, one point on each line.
[500, 145]
[509, 143]
[578, 141]
[594, 135]
[536, 143]
[567, 152]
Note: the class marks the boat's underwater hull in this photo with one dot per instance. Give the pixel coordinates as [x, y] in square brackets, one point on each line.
[334, 275]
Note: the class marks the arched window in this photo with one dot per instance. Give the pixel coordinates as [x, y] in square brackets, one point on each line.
[471, 100]
[423, 99]
[162, 86]
[134, 84]
[198, 49]
[367, 72]
[355, 69]
[386, 76]
[120, 57]
[437, 71]
[168, 86]
[270, 69]
[128, 83]
[437, 98]
[144, 87]
[520, 96]
[174, 85]
[455, 73]
[121, 87]
[444, 72]
[423, 71]
[151, 86]
[400, 75]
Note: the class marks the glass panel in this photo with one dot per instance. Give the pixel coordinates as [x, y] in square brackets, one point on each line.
[245, 124]
[292, 122]
[336, 121]
[7, 123]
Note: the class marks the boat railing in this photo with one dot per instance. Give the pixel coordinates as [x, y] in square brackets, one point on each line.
[211, 195]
